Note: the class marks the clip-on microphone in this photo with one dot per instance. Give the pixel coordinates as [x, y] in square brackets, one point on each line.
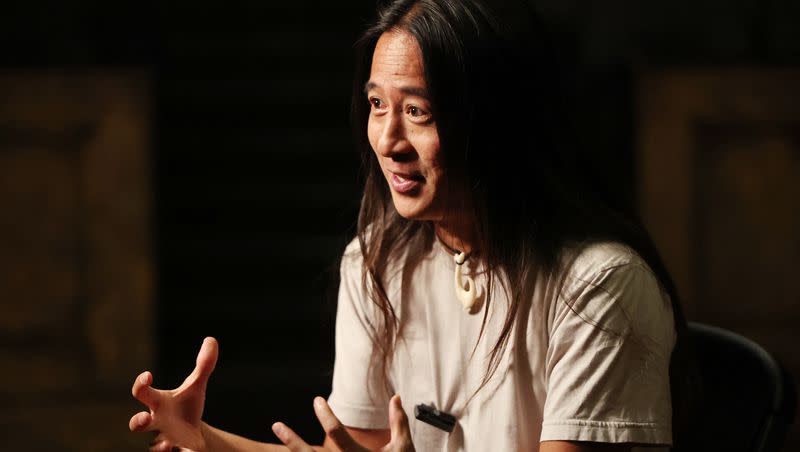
[434, 417]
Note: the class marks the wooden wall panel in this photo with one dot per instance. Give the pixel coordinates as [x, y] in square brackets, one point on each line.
[719, 179]
[76, 284]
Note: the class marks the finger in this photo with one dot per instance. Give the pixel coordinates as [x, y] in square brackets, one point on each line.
[398, 421]
[290, 438]
[333, 427]
[206, 361]
[141, 422]
[161, 446]
[145, 393]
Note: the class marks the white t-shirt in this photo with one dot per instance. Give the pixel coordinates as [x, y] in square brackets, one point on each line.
[597, 370]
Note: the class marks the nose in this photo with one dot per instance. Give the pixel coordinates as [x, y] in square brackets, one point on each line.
[392, 140]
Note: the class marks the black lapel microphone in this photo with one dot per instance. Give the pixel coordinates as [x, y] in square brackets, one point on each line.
[434, 417]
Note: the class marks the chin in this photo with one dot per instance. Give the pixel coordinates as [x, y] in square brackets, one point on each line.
[413, 209]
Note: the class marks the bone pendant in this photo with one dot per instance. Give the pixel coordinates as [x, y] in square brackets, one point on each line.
[465, 290]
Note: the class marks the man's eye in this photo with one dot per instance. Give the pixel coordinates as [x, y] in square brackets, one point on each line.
[416, 111]
[375, 102]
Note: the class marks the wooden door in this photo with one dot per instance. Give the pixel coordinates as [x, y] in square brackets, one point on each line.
[719, 184]
[76, 266]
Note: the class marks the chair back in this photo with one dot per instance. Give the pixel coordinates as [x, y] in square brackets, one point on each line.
[746, 398]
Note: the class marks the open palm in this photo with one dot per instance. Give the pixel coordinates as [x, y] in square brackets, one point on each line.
[176, 413]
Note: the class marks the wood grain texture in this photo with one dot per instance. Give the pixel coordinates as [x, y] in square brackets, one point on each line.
[719, 180]
[76, 271]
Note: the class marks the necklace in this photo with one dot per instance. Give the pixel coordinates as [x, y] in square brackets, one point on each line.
[466, 292]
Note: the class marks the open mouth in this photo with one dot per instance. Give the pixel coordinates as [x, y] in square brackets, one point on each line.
[405, 183]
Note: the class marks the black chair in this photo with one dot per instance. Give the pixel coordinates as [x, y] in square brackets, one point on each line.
[744, 399]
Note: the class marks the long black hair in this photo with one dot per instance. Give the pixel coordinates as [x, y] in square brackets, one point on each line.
[495, 89]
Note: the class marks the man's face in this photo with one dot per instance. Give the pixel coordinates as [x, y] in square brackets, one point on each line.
[402, 130]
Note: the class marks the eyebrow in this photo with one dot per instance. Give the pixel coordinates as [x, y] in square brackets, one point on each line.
[412, 90]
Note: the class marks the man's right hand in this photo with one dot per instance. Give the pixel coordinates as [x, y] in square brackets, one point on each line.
[339, 438]
[176, 414]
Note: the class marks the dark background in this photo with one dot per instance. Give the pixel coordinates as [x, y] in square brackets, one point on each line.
[256, 184]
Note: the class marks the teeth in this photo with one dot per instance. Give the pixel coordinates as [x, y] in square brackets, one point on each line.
[401, 178]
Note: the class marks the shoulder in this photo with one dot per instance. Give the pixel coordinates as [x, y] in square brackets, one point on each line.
[608, 284]
[589, 259]
[397, 254]
[605, 264]
[350, 265]
[352, 252]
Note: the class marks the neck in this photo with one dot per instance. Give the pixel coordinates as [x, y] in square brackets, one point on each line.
[460, 237]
